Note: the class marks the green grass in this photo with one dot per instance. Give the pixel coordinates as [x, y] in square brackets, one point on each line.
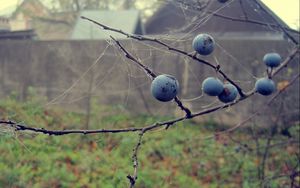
[177, 157]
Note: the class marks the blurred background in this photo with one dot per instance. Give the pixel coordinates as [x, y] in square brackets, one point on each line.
[59, 71]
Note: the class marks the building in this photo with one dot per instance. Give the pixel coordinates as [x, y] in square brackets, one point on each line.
[4, 24]
[25, 13]
[126, 20]
[33, 15]
[233, 19]
[243, 31]
[7, 34]
[18, 35]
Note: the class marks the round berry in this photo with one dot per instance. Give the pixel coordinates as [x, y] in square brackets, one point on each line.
[272, 59]
[228, 94]
[222, 1]
[212, 86]
[265, 86]
[237, 149]
[164, 87]
[203, 44]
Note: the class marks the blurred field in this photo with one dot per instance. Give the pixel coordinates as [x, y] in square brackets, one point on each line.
[178, 157]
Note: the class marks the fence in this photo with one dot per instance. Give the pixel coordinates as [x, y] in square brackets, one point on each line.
[69, 75]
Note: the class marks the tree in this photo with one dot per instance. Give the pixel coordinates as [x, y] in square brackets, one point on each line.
[76, 5]
[189, 114]
[147, 7]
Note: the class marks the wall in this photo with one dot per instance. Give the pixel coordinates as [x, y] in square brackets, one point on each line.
[68, 74]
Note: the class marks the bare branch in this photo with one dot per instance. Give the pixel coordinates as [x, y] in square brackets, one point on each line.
[133, 178]
[23, 127]
[150, 73]
[284, 30]
[236, 19]
[293, 53]
[188, 114]
[170, 48]
[259, 109]
[256, 22]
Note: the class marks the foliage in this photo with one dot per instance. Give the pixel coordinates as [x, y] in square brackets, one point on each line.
[178, 157]
[147, 7]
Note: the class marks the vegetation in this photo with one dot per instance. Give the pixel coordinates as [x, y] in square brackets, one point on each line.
[186, 155]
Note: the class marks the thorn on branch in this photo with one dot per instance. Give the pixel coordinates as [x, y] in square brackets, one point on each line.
[168, 125]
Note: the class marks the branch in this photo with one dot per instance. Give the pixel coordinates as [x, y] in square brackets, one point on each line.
[280, 144]
[150, 73]
[246, 20]
[284, 64]
[133, 178]
[265, 156]
[278, 24]
[259, 109]
[168, 123]
[170, 48]
[291, 175]
[23, 127]
[256, 22]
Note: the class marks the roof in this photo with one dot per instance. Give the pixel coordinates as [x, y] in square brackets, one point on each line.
[126, 20]
[174, 17]
[17, 35]
[57, 26]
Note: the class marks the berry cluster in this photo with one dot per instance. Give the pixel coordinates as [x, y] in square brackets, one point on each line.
[165, 87]
[214, 87]
[266, 86]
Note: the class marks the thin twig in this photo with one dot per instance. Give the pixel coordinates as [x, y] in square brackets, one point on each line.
[168, 123]
[284, 64]
[256, 22]
[133, 178]
[278, 24]
[291, 175]
[232, 129]
[293, 141]
[148, 71]
[23, 127]
[151, 74]
[265, 156]
[267, 147]
[236, 19]
[170, 48]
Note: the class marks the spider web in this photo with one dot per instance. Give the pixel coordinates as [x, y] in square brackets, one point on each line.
[109, 74]
[128, 87]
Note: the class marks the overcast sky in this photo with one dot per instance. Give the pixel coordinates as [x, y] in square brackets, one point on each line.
[287, 10]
